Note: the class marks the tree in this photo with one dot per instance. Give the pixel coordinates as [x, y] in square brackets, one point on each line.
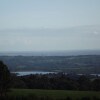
[96, 84]
[84, 83]
[4, 79]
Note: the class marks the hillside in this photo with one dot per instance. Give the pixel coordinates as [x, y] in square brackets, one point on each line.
[79, 64]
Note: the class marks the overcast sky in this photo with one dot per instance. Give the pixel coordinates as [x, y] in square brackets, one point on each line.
[49, 25]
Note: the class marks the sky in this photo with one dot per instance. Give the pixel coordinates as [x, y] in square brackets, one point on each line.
[49, 25]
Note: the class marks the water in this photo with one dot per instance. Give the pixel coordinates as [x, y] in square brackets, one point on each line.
[31, 72]
[42, 72]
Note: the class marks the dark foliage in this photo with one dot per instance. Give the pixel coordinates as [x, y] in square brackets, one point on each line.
[58, 81]
[4, 79]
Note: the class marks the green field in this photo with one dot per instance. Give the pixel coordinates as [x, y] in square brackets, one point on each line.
[55, 94]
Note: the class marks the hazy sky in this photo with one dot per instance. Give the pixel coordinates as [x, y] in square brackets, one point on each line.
[45, 25]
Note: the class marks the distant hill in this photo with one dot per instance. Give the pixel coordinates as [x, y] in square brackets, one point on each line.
[89, 64]
[52, 53]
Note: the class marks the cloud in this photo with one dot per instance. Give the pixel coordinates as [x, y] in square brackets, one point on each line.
[96, 33]
[47, 39]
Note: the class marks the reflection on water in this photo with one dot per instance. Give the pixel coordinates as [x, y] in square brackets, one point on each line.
[33, 72]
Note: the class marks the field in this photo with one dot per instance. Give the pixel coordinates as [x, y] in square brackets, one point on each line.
[55, 94]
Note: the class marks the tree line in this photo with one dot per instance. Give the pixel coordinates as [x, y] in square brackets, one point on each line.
[58, 81]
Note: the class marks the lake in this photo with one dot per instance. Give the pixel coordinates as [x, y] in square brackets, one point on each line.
[32, 72]
[21, 73]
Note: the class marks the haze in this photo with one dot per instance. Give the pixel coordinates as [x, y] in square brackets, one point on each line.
[49, 25]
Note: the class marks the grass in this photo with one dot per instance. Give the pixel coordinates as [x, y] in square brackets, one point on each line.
[54, 93]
